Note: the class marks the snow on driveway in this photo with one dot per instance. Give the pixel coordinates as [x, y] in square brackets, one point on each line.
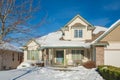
[50, 73]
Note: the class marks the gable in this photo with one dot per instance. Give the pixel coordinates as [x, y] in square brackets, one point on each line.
[113, 35]
[78, 20]
[32, 45]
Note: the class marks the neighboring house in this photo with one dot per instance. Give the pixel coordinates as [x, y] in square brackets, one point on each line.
[74, 44]
[10, 56]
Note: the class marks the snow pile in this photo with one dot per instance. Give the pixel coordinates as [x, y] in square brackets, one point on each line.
[8, 46]
[46, 73]
[98, 29]
[53, 40]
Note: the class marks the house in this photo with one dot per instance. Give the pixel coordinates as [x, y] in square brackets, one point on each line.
[77, 42]
[10, 56]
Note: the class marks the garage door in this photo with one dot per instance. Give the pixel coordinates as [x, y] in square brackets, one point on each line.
[112, 57]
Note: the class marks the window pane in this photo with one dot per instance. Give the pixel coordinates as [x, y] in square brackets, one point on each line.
[80, 33]
[28, 55]
[77, 54]
[75, 33]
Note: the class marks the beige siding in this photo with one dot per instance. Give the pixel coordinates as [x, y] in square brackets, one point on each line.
[77, 20]
[32, 46]
[113, 35]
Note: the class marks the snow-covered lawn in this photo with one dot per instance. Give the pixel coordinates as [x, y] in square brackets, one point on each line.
[50, 73]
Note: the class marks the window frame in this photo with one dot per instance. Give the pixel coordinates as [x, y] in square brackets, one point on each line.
[77, 54]
[78, 33]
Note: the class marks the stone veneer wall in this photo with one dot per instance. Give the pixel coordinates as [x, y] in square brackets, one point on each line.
[99, 55]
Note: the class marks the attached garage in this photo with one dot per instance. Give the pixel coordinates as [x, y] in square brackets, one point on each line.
[112, 49]
[112, 57]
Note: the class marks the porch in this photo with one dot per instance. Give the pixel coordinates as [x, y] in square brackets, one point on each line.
[63, 57]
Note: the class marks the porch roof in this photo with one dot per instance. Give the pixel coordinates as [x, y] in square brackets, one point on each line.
[66, 44]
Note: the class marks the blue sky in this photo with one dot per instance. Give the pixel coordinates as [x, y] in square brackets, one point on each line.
[59, 12]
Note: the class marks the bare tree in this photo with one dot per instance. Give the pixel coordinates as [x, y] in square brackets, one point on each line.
[16, 17]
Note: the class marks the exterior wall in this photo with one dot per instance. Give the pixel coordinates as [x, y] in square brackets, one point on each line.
[69, 34]
[7, 61]
[112, 54]
[99, 55]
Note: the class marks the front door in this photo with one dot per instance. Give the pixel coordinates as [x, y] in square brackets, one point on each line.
[60, 57]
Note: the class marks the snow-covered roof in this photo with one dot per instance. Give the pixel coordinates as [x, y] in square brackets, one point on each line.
[98, 29]
[8, 46]
[53, 40]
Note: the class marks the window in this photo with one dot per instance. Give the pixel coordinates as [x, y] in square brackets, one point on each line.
[78, 33]
[33, 55]
[77, 54]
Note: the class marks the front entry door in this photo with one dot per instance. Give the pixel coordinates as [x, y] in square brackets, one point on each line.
[59, 57]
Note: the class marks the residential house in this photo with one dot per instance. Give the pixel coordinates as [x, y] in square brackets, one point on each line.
[10, 56]
[74, 44]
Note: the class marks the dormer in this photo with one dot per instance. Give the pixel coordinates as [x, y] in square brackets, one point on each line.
[77, 29]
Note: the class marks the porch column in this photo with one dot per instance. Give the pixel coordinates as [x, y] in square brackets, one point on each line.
[50, 56]
[44, 55]
[25, 55]
[65, 63]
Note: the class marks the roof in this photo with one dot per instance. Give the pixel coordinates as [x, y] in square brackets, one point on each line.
[53, 40]
[99, 29]
[112, 27]
[8, 46]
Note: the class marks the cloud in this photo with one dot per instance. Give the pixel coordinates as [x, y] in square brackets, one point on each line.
[112, 6]
[101, 21]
